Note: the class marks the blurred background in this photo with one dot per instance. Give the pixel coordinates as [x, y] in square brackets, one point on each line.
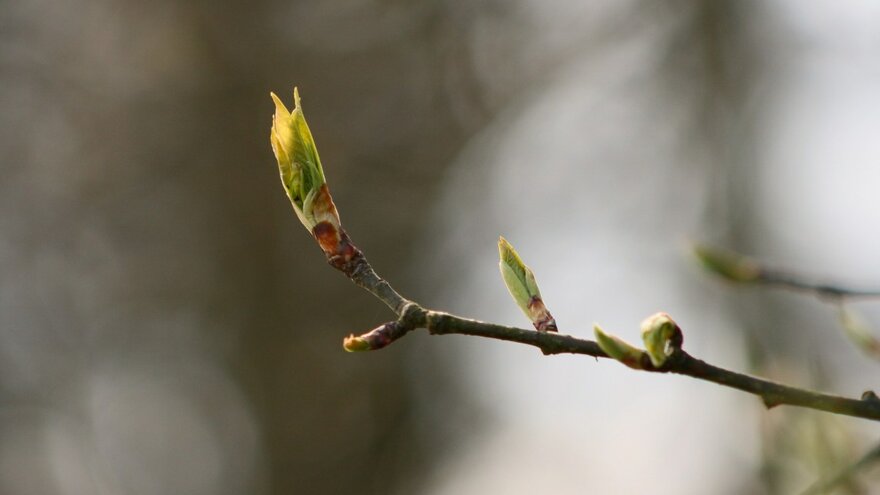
[166, 325]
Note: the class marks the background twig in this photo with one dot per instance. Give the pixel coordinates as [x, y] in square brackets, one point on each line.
[826, 485]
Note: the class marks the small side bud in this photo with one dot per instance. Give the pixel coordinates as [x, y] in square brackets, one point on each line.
[859, 332]
[619, 349]
[376, 338]
[732, 266]
[521, 284]
[661, 336]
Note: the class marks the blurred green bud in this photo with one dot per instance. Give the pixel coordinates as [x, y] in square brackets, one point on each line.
[521, 284]
[730, 265]
[619, 349]
[300, 165]
[661, 336]
[859, 332]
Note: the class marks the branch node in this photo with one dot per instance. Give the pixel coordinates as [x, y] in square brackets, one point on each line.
[770, 402]
[412, 315]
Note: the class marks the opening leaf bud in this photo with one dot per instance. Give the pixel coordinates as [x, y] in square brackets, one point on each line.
[300, 165]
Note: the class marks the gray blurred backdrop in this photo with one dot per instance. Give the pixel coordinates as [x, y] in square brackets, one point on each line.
[167, 327]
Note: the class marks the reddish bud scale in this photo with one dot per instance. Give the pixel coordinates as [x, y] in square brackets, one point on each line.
[337, 246]
[541, 317]
[328, 237]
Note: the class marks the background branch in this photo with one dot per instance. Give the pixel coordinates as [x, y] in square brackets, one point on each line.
[738, 268]
[412, 316]
[791, 281]
[845, 474]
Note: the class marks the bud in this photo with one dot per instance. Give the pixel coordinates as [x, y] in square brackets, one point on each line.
[619, 349]
[859, 332]
[732, 266]
[300, 166]
[521, 284]
[376, 338]
[661, 336]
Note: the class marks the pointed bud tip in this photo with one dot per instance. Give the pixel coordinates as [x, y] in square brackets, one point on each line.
[503, 246]
[281, 110]
[296, 100]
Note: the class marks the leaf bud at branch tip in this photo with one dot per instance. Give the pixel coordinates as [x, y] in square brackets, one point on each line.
[299, 164]
[661, 336]
[303, 180]
[732, 266]
[521, 283]
[619, 349]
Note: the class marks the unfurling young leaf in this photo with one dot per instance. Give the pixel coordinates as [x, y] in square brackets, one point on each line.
[619, 349]
[661, 336]
[300, 165]
[520, 281]
[303, 181]
[732, 266]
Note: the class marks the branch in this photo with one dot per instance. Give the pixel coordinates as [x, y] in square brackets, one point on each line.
[738, 268]
[828, 484]
[412, 317]
[304, 183]
[791, 281]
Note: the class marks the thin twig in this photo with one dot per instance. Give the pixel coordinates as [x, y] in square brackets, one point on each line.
[411, 316]
[787, 280]
[828, 484]
[738, 268]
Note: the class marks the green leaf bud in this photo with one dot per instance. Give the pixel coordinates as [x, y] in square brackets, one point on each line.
[300, 165]
[661, 336]
[521, 284]
[619, 349]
